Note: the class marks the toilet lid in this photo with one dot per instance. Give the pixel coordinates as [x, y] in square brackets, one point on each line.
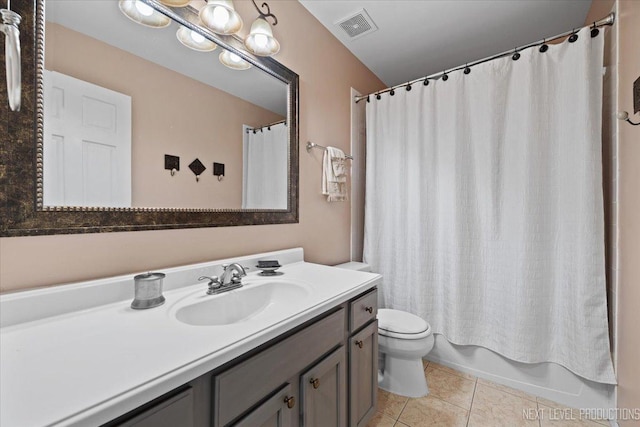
[400, 324]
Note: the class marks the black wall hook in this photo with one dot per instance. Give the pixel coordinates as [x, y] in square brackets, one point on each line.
[573, 37]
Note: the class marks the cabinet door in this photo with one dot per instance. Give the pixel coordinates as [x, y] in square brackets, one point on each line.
[363, 375]
[275, 412]
[323, 391]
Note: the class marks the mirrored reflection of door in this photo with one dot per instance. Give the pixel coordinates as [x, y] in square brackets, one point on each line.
[87, 144]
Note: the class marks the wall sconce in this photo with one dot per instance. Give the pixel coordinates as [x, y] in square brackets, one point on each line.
[9, 26]
[220, 17]
[260, 40]
[143, 14]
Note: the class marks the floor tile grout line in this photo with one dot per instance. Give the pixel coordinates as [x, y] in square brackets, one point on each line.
[403, 408]
[473, 396]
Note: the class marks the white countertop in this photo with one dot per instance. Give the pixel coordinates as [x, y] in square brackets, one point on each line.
[93, 364]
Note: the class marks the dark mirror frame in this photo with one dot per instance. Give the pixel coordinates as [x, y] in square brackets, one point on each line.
[21, 210]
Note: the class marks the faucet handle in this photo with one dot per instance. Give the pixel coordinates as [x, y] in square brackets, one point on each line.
[214, 283]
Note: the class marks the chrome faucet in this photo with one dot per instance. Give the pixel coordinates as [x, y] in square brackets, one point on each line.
[231, 279]
[232, 274]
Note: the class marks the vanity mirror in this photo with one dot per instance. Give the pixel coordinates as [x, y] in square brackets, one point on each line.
[114, 97]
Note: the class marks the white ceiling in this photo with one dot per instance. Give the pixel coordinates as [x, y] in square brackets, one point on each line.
[417, 38]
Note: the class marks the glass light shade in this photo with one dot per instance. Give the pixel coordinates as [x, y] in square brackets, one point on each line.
[194, 41]
[221, 17]
[260, 40]
[143, 14]
[233, 61]
[175, 3]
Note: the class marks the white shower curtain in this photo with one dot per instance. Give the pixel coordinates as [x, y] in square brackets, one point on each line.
[484, 208]
[265, 168]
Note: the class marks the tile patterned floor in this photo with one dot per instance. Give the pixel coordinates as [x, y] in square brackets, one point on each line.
[459, 399]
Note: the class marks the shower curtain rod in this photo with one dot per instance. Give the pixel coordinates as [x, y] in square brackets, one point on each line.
[606, 21]
[259, 128]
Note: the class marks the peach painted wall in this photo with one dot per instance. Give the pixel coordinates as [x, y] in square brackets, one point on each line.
[629, 213]
[171, 114]
[327, 72]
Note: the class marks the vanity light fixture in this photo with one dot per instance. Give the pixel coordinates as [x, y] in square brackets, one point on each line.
[194, 40]
[221, 17]
[144, 14]
[260, 40]
[233, 61]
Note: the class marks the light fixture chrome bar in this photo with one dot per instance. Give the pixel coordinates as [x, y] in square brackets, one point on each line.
[9, 26]
[606, 21]
[312, 145]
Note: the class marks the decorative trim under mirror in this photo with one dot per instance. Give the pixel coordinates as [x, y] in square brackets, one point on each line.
[22, 210]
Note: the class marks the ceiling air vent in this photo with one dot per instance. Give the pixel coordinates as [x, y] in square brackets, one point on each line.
[358, 25]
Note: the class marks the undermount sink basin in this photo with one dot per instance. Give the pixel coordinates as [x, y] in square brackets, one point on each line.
[241, 305]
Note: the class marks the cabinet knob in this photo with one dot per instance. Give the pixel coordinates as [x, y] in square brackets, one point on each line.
[359, 344]
[315, 382]
[290, 401]
[368, 309]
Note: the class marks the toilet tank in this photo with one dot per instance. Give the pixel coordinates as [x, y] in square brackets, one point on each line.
[358, 266]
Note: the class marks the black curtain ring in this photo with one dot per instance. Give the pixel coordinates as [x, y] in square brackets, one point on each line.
[573, 36]
[594, 31]
[516, 55]
[467, 70]
[408, 87]
[445, 77]
[544, 47]
[426, 82]
[368, 100]
[378, 96]
[392, 92]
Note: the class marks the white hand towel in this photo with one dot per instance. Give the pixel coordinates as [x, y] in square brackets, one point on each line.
[334, 175]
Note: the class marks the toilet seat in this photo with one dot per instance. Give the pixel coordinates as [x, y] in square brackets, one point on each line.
[402, 325]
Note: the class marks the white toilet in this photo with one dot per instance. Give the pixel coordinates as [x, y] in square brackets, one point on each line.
[403, 340]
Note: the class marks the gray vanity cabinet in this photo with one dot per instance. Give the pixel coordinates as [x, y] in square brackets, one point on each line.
[277, 411]
[322, 373]
[323, 390]
[363, 375]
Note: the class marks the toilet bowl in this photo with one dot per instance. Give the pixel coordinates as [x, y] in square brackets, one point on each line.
[403, 340]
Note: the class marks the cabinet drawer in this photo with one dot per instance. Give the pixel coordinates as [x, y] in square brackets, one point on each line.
[363, 310]
[239, 388]
[175, 411]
